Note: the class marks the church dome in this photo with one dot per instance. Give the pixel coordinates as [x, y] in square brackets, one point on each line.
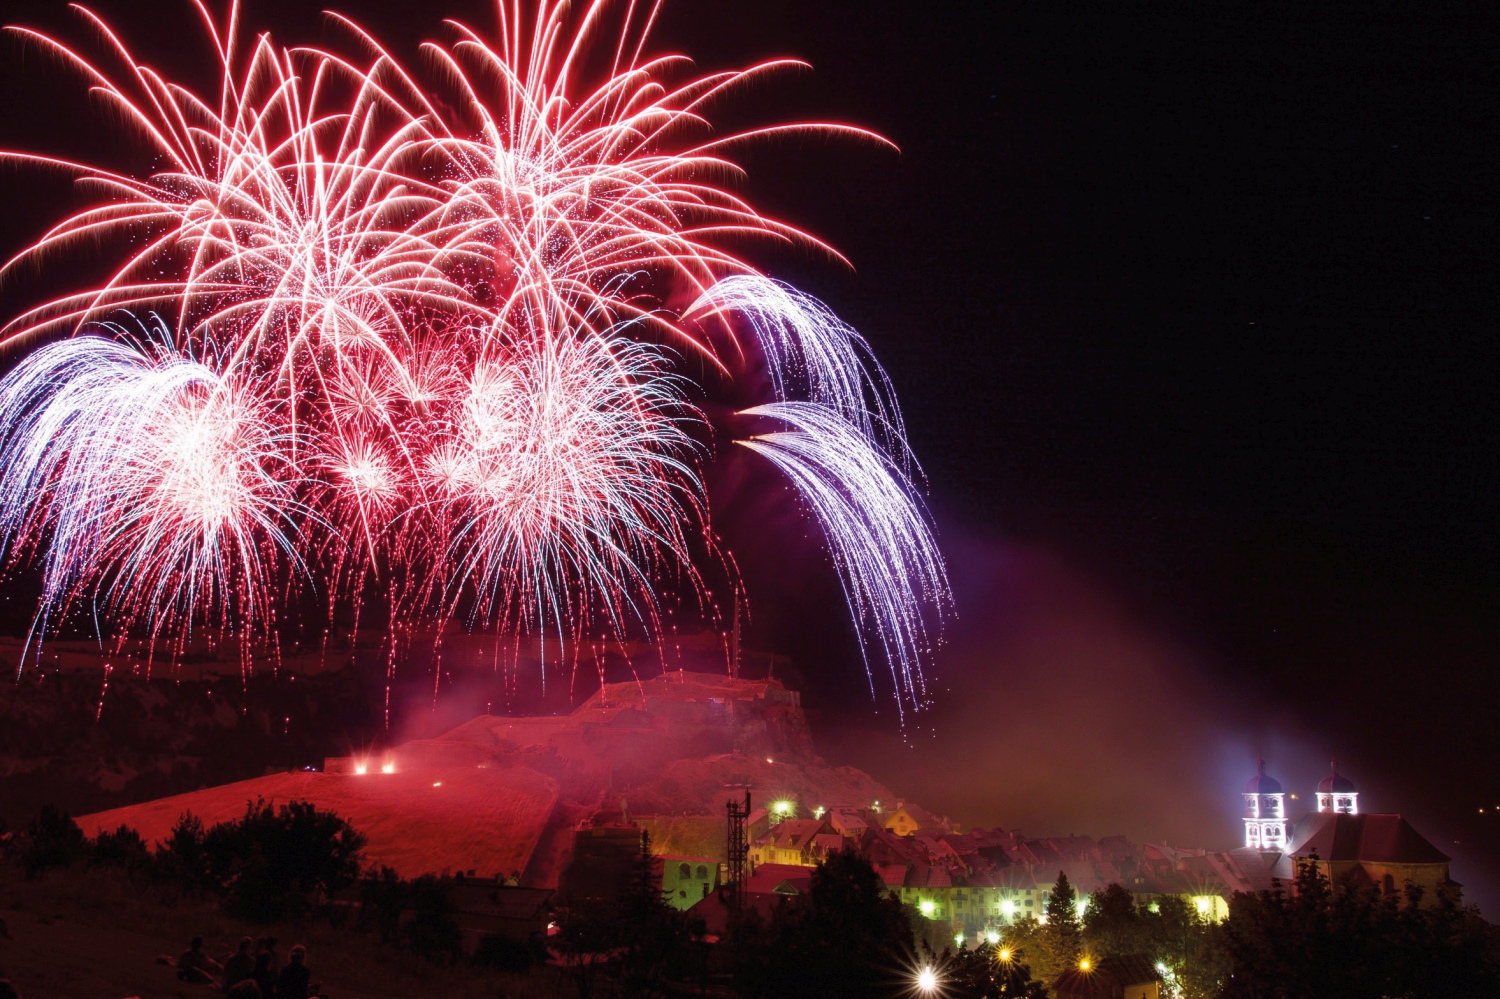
[1262, 783]
[1335, 784]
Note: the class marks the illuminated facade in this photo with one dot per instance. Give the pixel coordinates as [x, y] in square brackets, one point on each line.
[1337, 793]
[1265, 812]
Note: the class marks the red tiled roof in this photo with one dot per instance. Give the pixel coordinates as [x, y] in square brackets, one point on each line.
[768, 876]
[894, 875]
[1372, 838]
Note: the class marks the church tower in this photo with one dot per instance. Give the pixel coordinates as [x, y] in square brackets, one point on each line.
[1265, 812]
[1337, 794]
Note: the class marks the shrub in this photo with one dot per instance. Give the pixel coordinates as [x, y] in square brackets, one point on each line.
[271, 860]
[183, 858]
[431, 932]
[502, 954]
[121, 848]
[53, 840]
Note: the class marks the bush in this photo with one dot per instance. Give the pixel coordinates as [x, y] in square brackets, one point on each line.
[382, 896]
[431, 932]
[183, 858]
[53, 840]
[270, 861]
[121, 848]
[503, 954]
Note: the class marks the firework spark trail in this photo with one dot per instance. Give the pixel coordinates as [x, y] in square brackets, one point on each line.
[152, 485]
[420, 325]
[811, 353]
[846, 452]
[570, 471]
[887, 560]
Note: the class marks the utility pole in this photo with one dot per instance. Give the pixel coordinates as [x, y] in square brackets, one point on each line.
[739, 850]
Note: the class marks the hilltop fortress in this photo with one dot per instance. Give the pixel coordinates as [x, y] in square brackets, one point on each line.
[504, 795]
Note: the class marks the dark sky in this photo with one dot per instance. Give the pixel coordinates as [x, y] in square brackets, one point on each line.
[1192, 315]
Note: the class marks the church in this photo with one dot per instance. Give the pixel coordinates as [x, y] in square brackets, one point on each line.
[1363, 849]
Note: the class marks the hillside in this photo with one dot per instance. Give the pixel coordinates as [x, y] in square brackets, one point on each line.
[498, 794]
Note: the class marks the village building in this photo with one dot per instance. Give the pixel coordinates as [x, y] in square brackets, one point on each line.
[685, 881]
[802, 842]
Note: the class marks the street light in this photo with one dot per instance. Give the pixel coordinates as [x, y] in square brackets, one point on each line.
[927, 981]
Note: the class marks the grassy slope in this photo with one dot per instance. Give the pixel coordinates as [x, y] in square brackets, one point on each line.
[94, 934]
[487, 820]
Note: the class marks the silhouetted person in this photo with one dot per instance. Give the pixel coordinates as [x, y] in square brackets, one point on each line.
[264, 976]
[240, 966]
[194, 965]
[268, 944]
[7, 990]
[294, 979]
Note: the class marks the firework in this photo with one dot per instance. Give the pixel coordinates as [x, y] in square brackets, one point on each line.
[150, 484]
[418, 331]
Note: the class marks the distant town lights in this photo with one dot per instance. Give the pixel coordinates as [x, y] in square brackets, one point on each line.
[360, 769]
[388, 768]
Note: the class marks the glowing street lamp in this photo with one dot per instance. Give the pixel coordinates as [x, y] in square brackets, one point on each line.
[928, 907]
[927, 981]
[1085, 964]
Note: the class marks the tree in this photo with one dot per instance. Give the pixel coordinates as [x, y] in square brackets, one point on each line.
[652, 934]
[1113, 925]
[182, 858]
[1342, 942]
[845, 936]
[382, 896]
[989, 972]
[431, 932]
[588, 929]
[53, 839]
[1059, 942]
[270, 861]
[121, 848]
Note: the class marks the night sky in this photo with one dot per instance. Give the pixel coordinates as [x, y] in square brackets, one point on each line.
[1192, 317]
